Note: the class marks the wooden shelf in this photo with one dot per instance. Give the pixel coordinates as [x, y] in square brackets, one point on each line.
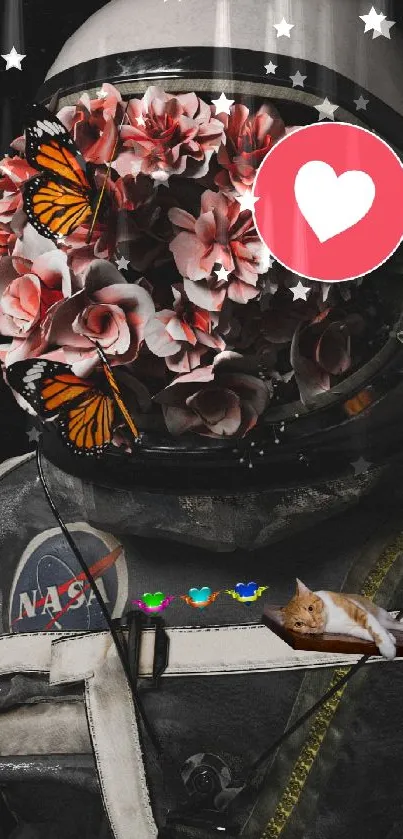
[325, 643]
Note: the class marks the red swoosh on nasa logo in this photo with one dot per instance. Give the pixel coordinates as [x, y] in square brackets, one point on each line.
[97, 569]
[67, 606]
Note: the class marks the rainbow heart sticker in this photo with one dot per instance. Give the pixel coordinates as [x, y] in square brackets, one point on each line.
[246, 592]
[199, 598]
[156, 602]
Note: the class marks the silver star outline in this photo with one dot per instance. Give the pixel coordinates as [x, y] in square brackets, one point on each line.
[373, 20]
[247, 201]
[361, 103]
[326, 110]
[360, 466]
[300, 291]
[386, 26]
[222, 274]
[13, 59]
[222, 104]
[34, 435]
[122, 263]
[283, 28]
[298, 80]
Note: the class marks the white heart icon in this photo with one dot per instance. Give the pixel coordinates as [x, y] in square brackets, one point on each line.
[332, 204]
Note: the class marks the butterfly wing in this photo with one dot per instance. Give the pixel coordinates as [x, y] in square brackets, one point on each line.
[115, 390]
[87, 427]
[84, 415]
[60, 198]
[50, 147]
[53, 208]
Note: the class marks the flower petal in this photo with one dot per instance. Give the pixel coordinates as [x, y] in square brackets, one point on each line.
[52, 269]
[180, 420]
[219, 409]
[157, 338]
[333, 349]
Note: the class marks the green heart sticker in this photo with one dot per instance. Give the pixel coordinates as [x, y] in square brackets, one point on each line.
[153, 600]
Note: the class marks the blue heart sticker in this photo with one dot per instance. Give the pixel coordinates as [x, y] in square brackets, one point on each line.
[246, 589]
[200, 595]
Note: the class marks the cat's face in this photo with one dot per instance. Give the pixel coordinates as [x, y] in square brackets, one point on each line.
[305, 612]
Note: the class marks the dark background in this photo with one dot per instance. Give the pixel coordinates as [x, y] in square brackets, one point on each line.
[39, 28]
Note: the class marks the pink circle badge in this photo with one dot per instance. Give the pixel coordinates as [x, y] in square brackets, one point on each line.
[330, 201]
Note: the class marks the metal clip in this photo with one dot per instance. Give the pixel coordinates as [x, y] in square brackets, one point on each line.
[137, 622]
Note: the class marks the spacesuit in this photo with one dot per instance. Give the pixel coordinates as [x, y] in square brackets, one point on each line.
[184, 754]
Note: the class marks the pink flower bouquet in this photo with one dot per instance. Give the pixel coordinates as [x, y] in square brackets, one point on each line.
[188, 306]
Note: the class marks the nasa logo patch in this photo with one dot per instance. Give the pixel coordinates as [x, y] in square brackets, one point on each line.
[50, 592]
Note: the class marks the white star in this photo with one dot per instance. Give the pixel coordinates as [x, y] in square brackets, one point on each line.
[34, 435]
[122, 263]
[300, 291]
[386, 26]
[140, 121]
[361, 103]
[222, 274]
[373, 21]
[102, 94]
[326, 109]
[297, 79]
[283, 28]
[13, 59]
[247, 201]
[270, 67]
[360, 466]
[222, 105]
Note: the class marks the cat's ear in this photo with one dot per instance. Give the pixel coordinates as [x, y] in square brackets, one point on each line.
[302, 588]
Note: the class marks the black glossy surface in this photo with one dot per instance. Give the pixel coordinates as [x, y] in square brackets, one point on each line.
[315, 445]
[245, 65]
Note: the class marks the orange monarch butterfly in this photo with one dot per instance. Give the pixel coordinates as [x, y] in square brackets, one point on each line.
[85, 414]
[61, 197]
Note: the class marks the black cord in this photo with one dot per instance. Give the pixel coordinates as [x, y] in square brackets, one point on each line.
[300, 721]
[250, 787]
[119, 646]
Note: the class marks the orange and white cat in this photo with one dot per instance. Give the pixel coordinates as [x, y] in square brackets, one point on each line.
[346, 614]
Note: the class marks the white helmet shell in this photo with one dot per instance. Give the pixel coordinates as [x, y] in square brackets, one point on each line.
[149, 41]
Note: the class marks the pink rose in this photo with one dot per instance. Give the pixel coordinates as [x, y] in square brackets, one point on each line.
[169, 135]
[182, 335]
[107, 310]
[216, 401]
[28, 246]
[221, 236]
[26, 301]
[94, 123]
[13, 173]
[80, 254]
[248, 140]
[7, 240]
[20, 306]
